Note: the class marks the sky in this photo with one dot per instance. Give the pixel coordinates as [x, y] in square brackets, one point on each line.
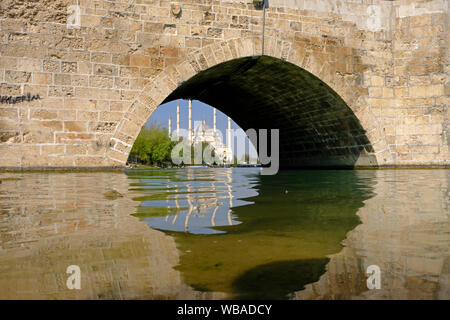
[200, 111]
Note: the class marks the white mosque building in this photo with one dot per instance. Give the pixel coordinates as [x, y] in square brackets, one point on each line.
[204, 133]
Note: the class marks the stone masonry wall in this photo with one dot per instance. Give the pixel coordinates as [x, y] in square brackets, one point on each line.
[77, 97]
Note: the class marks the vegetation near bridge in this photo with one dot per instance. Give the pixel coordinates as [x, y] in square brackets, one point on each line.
[153, 146]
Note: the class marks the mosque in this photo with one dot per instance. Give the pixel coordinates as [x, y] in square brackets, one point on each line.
[204, 133]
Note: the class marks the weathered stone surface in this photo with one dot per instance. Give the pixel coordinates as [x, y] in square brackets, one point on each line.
[395, 214]
[387, 61]
[121, 259]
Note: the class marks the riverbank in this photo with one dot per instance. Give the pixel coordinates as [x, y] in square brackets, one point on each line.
[122, 168]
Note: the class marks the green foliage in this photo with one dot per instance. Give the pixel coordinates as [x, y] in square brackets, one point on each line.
[152, 146]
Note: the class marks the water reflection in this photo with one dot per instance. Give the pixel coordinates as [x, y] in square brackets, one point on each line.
[405, 230]
[49, 221]
[291, 220]
[278, 280]
[225, 233]
[192, 200]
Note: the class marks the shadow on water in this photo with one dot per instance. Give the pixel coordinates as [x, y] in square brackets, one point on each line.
[288, 227]
[277, 280]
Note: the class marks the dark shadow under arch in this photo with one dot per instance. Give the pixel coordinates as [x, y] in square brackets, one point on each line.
[317, 128]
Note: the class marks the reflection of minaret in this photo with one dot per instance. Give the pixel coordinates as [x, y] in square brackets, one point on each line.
[191, 205]
[170, 126]
[213, 217]
[190, 121]
[178, 120]
[230, 193]
[167, 198]
[176, 204]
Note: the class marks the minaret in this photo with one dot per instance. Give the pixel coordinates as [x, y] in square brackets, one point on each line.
[230, 150]
[170, 126]
[190, 121]
[178, 120]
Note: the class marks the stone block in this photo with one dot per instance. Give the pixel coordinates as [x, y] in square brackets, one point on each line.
[427, 91]
[75, 126]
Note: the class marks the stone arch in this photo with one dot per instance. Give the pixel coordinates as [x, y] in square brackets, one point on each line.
[347, 83]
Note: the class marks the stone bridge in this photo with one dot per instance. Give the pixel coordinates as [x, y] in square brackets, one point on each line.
[347, 82]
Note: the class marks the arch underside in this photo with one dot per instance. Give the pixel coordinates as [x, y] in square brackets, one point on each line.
[317, 128]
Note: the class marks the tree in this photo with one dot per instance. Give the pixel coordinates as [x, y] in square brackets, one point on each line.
[161, 152]
[152, 146]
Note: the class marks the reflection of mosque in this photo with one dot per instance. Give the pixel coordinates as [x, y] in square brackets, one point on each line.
[200, 205]
[204, 133]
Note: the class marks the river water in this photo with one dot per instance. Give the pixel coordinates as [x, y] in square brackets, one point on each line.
[204, 233]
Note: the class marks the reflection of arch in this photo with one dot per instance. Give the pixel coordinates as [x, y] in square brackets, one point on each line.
[346, 85]
[282, 241]
[276, 285]
[395, 230]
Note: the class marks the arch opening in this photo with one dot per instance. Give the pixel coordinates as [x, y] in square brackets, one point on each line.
[171, 123]
[317, 128]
